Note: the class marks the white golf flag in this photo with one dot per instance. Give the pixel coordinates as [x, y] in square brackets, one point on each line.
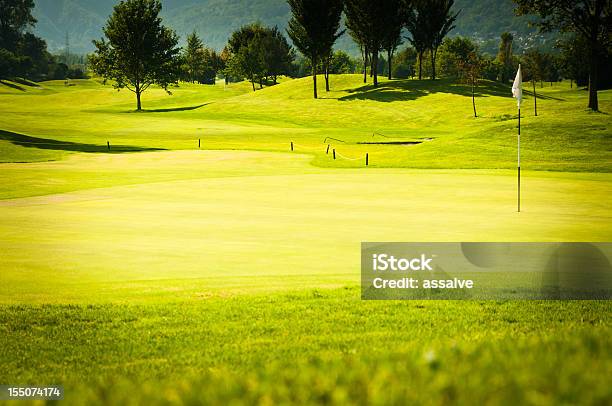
[517, 87]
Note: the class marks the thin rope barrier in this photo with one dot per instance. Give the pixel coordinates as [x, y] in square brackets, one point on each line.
[347, 158]
[305, 147]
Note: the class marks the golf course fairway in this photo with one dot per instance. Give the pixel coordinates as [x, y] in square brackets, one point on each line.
[139, 268]
[272, 222]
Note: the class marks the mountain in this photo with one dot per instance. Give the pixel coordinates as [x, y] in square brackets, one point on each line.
[214, 20]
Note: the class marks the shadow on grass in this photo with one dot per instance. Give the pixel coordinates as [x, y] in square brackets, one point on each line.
[541, 96]
[169, 109]
[45, 143]
[12, 85]
[405, 90]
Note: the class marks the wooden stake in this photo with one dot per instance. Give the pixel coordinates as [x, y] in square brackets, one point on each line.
[367, 159]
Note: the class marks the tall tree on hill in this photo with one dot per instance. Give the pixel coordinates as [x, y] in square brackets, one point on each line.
[358, 26]
[416, 23]
[534, 63]
[257, 53]
[326, 63]
[314, 28]
[138, 50]
[370, 19]
[224, 59]
[440, 21]
[278, 54]
[392, 38]
[470, 68]
[504, 56]
[376, 12]
[193, 56]
[247, 53]
[589, 19]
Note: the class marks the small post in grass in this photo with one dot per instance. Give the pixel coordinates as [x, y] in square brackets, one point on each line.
[334, 151]
[291, 145]
[367, 159]
[108, 145]
[199, 143]
[327, 150]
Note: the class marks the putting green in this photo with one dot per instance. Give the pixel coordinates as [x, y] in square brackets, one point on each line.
[185, 224]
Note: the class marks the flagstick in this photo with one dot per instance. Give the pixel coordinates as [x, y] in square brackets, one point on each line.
[519, 161]
[517, 92]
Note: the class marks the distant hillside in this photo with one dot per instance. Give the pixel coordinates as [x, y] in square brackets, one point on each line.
[214, 20]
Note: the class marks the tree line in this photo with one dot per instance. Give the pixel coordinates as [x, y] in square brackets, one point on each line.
[378, 26]
[137, 50]
[23, 54]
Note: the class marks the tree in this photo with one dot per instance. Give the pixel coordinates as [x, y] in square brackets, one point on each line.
[393, 23]
[453, 53]
[247, 53]
[440, 21]
[358, 26]
[36, 59]
[534, 62]
[341, 62]
[590, 19]
[376, 25]
[15, 18]
[404, 64]
[375, 12]
[573, 55]
[21, 52]
[470, 70]
[416, 23]
[138, 50]
[257, 53]
[200, 63]
[504, 56]
[314, 28]
[193, 56]
[490, 67]
[224, 59]
[278, 54]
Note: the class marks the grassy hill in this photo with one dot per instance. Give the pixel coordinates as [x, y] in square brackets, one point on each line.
[403, 123]
[214, 20]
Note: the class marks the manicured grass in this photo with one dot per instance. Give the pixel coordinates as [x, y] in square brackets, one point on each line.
[399, 111]
[222, 215]
[186, 276]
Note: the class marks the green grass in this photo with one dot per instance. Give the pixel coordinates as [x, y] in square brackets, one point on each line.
[564, 137]
[314, 347]
[231, 274]
[224, 219]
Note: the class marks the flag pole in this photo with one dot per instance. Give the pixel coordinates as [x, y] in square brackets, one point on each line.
[519, 161]
[517, 92]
